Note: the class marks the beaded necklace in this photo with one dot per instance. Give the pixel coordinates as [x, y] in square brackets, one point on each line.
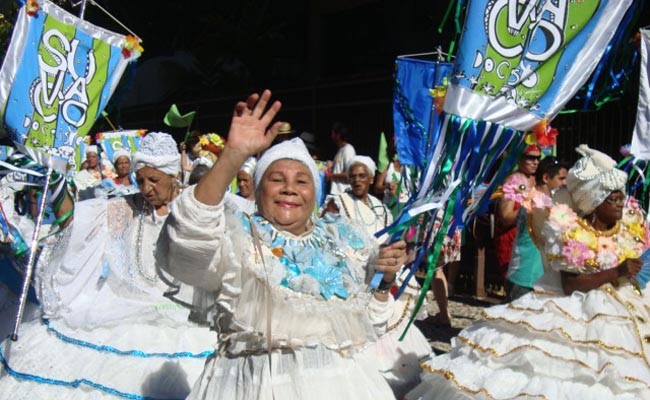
[358, 214]
[144, 210]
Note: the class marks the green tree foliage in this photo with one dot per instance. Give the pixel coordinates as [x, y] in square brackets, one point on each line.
[7, 17]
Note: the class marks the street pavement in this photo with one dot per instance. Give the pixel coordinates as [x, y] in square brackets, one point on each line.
[464, 311]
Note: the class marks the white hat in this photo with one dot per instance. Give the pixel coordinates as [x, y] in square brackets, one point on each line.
[249, 165]
[592, 179]
[91, 149]
[121, 153]
[293, 149]
[202, 161]
[158, 150]
[366, 161]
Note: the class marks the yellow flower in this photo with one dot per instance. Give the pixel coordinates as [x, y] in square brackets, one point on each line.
[204, 140]
[636, 230]
[586, 237]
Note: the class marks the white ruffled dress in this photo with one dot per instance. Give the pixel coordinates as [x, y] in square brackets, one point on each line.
[546, 345]
[399, 360]
[105, 330]
[292, 312]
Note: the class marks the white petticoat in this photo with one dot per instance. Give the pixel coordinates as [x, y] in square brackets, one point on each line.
[135, 362]
[399, 361]
[590, 345]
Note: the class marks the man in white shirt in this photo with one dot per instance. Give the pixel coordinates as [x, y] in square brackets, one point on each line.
[338, 173]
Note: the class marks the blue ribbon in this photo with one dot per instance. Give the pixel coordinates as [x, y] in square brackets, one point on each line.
[134, 353]
[72, 384]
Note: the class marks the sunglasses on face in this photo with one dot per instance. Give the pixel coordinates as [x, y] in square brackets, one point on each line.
[530, 157]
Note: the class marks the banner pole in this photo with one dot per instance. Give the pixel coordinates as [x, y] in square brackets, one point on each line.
[82, 12]
[32, 255]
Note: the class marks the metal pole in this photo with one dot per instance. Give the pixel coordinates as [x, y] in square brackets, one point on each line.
[82, 12]
[32, 257]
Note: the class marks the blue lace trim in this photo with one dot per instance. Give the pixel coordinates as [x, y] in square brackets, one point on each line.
[134, 353]
[72, 384]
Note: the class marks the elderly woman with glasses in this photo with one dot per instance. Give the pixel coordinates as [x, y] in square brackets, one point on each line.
[357, 204]
[584, 332]
[291, 305]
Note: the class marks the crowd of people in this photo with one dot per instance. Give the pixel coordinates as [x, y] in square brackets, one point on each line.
[239, 267]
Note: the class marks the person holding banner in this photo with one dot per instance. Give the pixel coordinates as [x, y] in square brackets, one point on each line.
[294, 307]
[583, 333]
[110, 324]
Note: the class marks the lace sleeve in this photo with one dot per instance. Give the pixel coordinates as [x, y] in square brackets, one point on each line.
[191, 242]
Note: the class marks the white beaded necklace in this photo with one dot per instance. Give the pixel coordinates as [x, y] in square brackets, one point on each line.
[138, 245]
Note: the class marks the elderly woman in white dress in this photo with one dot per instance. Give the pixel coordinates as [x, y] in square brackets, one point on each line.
[584, 332]
[106, 330]
[357, 204]
[293, 307]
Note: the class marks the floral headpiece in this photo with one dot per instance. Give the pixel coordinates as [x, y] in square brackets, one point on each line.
[210, 146]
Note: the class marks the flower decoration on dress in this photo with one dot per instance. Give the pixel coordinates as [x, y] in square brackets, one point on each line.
[32, 7]
[577, 253]
[314, 264]
[131, 47]
[516, 189]
[563, 216]
[572, 244]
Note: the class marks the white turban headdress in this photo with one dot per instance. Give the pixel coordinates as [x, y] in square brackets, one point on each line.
[91, 149]
[365, 160]
[121, 153]
[202, 161]
[293, 149]
[592, 179]
[249, 165]
[158, 150]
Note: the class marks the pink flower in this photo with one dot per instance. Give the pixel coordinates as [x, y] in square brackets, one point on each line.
[540, 200]
[562, 216]
[515, 189]
[606, 244]
[576, 253]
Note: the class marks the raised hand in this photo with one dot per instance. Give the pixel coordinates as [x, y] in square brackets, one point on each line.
[250, 130]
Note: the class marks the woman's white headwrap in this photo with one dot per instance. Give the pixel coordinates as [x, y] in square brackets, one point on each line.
[121, 153]
[249, 165]
[365, 160]
[91, 149]
[293, 149]
[158, 150]
[592, 179]
[202, 161]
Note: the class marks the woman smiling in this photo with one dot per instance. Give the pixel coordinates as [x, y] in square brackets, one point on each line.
[293, 308]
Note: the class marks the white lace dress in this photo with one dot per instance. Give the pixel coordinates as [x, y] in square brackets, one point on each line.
[105, 331]
[292, 312]
[546, 345]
